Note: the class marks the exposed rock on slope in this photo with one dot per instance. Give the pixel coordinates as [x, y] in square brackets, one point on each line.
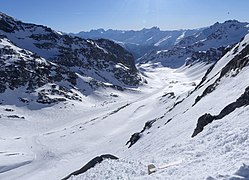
[91, 164]
[207, 118]
[102, 59]
[21, 68]
[35, 56]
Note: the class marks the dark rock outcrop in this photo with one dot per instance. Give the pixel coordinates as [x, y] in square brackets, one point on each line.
[202, 122]
[136, 136]
[91, 164]
[207, 118]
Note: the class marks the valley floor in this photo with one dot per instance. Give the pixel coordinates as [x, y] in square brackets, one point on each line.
[51, 142]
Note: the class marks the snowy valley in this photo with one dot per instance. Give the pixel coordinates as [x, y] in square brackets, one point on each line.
[65, 100]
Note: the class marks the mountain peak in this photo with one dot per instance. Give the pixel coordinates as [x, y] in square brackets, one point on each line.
[229, 23]
[154, 28]
[232, 21]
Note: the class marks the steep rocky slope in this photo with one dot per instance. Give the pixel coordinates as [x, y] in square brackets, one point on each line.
[94, 58]
[34, 56]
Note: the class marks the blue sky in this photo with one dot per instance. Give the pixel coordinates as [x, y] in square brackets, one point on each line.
[78, 15]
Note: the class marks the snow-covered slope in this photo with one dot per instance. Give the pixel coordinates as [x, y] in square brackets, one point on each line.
[192, 120]
[211, 41]
[220, 151]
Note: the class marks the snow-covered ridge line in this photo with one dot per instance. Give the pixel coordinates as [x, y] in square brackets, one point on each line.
[208, 45]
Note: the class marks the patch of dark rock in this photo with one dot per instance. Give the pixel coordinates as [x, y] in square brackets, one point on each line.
[148, 125]
[72, 78]
[207, 91]
[175, 104]
[91, 164]
[168, 121]
[9, 110]
[134, 138]
[43, 99]
[243, 44]
[169, 95]
[237, 63]
[185, 111]
[207, 118]
[12, 154]
[24, 100]
[15, 116]
[6, 25]
[115, 111]
[224, 51]
[113, 95]
[202, 122]
[119, 88]
[204, 78]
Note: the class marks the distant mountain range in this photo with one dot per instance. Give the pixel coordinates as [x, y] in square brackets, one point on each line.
[140, 42]
[208, 45]
[175, 48]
